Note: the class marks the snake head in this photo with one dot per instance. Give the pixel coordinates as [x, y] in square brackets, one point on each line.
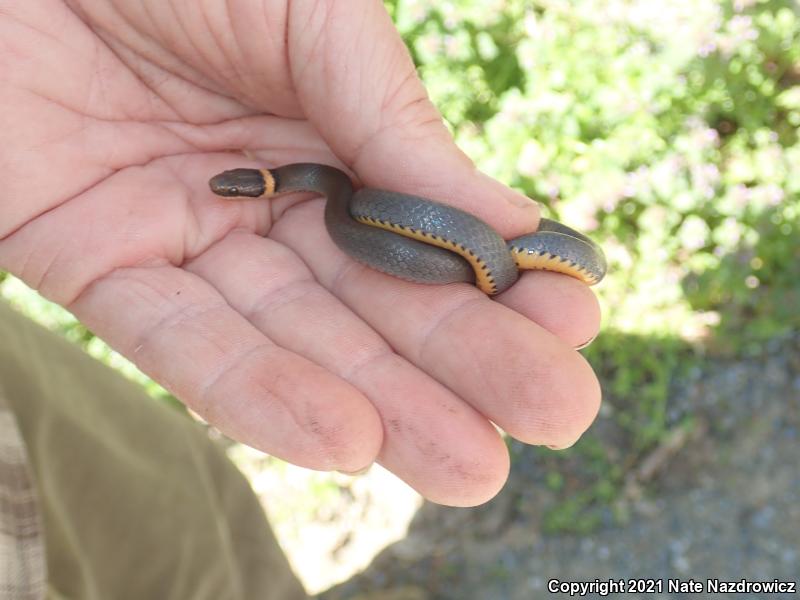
[240, 182]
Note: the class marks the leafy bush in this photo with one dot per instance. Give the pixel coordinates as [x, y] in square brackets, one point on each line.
[669, 129]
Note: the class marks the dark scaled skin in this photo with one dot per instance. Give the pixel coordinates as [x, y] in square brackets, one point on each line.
[572, 246]
[440, 222]
[379, 249]
[238, 182]
[379, 246]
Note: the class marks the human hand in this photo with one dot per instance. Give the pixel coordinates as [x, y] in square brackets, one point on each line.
[115, 113]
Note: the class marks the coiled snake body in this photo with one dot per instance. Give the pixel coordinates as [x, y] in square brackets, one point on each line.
[418, 239]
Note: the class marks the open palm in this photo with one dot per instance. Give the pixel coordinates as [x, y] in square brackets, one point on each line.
[115, 113]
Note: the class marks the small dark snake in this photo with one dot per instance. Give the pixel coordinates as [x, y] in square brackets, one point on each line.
[418, 239]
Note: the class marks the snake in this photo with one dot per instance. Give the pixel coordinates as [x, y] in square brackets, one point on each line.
[417, 239]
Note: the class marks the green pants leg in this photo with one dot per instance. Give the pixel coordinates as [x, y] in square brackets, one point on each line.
[136, 501]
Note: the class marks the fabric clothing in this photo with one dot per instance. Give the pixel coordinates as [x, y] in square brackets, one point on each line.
[22, 565]
[134, 500]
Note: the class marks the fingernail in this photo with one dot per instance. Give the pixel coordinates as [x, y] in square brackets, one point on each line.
[356, 473]
[563, 446]
[521, 200]
[586, 343]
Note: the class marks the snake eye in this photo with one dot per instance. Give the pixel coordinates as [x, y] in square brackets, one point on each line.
[238, 182]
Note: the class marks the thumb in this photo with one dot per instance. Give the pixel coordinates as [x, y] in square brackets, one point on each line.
[357, 84]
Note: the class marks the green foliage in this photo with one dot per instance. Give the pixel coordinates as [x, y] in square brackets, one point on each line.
[586, 481]
[637, 372]
[668, 129]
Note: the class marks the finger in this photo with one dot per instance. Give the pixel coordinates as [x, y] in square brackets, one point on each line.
[562, 305]
[512, 370]
[375, 114]
[440, 446]
[342, 65]
[181, 332]
[230, 54]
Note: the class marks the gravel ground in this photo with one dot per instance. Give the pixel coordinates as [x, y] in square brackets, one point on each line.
[721, 502]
